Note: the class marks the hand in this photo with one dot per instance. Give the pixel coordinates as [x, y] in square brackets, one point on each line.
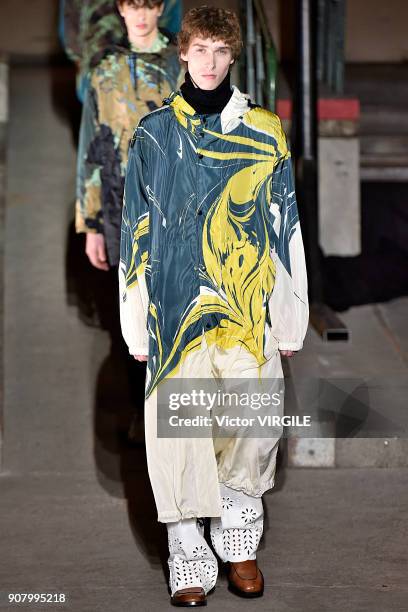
[287, 353]
[96, 251]
[140, 357]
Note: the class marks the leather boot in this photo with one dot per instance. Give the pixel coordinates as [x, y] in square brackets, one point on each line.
[245, 578]
[191, 596]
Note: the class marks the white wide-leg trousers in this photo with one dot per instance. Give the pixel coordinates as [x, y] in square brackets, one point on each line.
[235, 536]
[185, 472]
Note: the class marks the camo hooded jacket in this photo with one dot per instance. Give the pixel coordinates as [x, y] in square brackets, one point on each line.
[90, 27]
[125, 86]
[211, 241]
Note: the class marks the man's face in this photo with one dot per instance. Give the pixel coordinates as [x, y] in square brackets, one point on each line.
[140, 21]
[208, 61]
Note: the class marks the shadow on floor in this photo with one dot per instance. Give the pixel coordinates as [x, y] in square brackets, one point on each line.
[119, 448]
[380, 272]
[63, 96]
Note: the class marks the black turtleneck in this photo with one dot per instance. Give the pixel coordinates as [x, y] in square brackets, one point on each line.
[206, 101]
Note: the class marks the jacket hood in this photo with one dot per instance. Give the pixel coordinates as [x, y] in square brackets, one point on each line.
[123, 47]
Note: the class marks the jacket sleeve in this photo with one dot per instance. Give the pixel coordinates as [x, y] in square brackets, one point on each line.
[71, 28]
[88, 217]
[288, 303]
[134, 263]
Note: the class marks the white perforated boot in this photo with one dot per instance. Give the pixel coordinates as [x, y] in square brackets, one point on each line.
[191, 562]
[236, 535]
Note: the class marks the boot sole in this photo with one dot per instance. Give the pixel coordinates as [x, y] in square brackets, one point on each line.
[192, 604]
[188, 604]
[237, 591]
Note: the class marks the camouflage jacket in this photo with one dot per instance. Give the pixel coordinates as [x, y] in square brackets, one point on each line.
[92, 26]
[125, 86]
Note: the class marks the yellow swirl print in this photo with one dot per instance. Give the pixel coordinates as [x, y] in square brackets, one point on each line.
[241, 267]
[240, 270]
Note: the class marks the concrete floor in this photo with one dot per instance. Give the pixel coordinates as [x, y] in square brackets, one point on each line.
[334, 539]
[76, 509]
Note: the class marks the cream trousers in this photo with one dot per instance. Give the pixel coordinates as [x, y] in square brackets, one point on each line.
[185, 472]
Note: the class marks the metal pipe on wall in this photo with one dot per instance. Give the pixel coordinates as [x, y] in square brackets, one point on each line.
[325, 321]
[250, 39]
[306, 138]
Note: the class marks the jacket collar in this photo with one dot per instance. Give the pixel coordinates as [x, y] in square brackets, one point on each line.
[234, 111]
[230, 117]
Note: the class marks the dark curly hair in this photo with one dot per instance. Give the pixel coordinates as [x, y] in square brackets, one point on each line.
[211, 22]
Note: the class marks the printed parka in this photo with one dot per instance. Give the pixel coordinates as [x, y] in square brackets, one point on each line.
[124, 87]
[211, 240]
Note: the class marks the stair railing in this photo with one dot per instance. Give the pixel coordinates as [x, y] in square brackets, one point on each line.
[260, 61]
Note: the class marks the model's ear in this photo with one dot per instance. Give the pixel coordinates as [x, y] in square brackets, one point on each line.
[183, 57]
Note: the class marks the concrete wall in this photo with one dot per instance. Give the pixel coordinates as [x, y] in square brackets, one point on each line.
[4, 111]
[29, 28]
[375, 30]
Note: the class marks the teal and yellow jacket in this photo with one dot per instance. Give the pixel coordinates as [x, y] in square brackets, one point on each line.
[210, 240]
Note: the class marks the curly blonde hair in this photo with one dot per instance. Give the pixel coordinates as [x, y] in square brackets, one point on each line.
[211, 22]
